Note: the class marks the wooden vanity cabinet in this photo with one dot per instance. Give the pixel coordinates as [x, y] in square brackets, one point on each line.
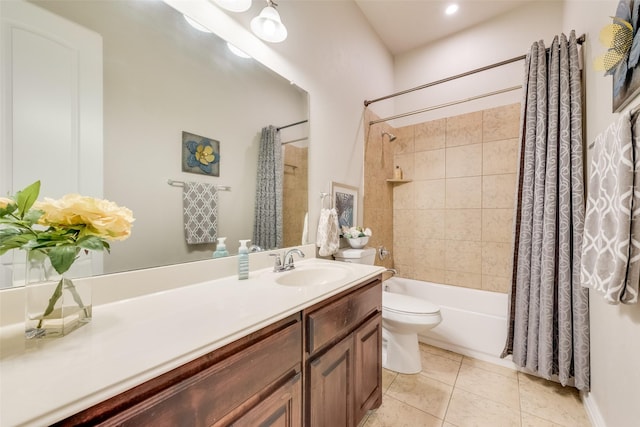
[343, 357]
[253, 381]
[318, 367]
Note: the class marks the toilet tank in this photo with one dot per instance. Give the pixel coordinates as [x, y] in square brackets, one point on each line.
[357, 256]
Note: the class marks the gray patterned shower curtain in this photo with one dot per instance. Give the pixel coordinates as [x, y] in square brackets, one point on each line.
[267, 230]
[549, 309]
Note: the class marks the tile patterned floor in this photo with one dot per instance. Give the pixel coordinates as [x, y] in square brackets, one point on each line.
[458, 391]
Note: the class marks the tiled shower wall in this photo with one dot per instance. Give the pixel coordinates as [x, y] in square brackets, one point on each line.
[295, 195]
[452, 223]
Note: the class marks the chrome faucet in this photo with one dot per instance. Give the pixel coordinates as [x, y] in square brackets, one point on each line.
[288, 258]
[279, 267]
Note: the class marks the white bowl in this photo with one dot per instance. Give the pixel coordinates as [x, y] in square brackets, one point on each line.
[358, 242]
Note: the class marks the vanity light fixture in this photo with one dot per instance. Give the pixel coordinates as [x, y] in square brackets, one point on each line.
[268, 25]
[236, 51]
[234, 5]
[451, 9]
[196, 25]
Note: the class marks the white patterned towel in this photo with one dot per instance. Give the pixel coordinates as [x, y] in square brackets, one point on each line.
[200, 204]
[328, 232]
[611, 241]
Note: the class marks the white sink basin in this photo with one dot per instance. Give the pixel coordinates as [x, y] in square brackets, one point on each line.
[312, 275]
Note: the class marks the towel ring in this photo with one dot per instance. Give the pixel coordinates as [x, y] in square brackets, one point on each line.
[323, 196]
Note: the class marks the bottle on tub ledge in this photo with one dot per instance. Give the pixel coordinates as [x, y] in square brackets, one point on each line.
[221, 248]
[397, 173]
[243, 260]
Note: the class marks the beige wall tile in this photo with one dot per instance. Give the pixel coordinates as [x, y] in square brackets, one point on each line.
[429, 165]
[463, 256]
[403, 196]
[469, 409]
[496, 284]
[496, 259]
[497, 225]
[421, 392]
[500, 157]
[429, 194]
[403, 254]
[404, 224]
[463, 224]
[435, 275]
[465, 160]
[406, 163]
[490, 385]
[501, 122]
[405, 270]
[463, 193]
[464, 129]
[498, 191]
[429, 254]
[430, 135]
[464, 280]
[429, 224]
[404, 139]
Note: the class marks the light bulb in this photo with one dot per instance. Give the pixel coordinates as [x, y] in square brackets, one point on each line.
[451, 9]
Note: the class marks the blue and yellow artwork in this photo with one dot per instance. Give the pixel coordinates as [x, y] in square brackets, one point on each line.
[200, 154]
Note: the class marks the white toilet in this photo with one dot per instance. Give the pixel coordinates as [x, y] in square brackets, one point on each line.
[403, 318]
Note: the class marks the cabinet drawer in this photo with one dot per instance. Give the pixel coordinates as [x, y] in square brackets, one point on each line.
[207, 396]
[333, 321]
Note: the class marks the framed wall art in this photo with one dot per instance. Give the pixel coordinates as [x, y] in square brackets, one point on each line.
[200, 154]
[345, 201]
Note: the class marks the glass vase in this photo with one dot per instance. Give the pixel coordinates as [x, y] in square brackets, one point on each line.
[56, 304]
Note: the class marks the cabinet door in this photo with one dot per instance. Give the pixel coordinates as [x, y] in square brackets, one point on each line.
[282, 408]
[330, 384]
[368, 366]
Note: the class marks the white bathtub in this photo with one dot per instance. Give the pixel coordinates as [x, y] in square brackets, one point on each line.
[474, 322]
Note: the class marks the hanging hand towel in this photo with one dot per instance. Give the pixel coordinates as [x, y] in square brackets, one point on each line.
[200, 204]
[305, 229]
[611, 240]
[328, 238]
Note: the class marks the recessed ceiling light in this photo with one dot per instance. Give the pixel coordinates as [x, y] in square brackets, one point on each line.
[451, 9]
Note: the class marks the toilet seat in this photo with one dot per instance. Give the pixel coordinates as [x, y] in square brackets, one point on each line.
[404, 304]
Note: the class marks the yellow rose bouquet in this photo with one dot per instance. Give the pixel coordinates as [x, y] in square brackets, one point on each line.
[59, 230]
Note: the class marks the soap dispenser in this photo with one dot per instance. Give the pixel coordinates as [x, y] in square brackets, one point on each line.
[243, 260]
[221, 248]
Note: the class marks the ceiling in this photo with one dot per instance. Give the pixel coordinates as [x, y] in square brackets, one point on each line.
[406, 24]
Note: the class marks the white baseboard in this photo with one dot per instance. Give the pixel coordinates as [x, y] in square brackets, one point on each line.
[592, 410]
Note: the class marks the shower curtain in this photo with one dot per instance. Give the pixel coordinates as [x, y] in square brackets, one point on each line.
[549, 309]
[267, 230]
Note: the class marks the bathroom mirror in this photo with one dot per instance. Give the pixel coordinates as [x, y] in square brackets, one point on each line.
[162, 77]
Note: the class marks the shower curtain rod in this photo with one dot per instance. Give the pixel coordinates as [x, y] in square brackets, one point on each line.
[448, 104]
[292, 124]
[580, 40]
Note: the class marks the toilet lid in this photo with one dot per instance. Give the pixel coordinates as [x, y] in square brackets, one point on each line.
[407, 304]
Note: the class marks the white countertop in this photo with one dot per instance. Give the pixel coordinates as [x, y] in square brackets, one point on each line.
[131, 341]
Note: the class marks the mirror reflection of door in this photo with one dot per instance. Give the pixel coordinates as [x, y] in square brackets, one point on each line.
[51, 110]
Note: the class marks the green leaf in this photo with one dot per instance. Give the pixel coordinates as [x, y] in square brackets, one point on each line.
[15, 241]
[27, 197]
[62, 257]
[92, 243]
[11, 207]
[32, 216]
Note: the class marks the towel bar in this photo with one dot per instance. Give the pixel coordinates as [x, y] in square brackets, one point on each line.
[181, 184]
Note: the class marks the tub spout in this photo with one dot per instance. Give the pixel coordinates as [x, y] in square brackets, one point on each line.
[393, 271]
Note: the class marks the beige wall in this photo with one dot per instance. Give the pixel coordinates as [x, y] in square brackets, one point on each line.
[452, 223]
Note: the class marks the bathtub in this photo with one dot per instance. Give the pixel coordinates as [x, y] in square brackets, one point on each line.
[474, 322]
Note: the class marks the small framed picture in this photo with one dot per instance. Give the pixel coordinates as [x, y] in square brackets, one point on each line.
[345, 201]
[200, 154]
